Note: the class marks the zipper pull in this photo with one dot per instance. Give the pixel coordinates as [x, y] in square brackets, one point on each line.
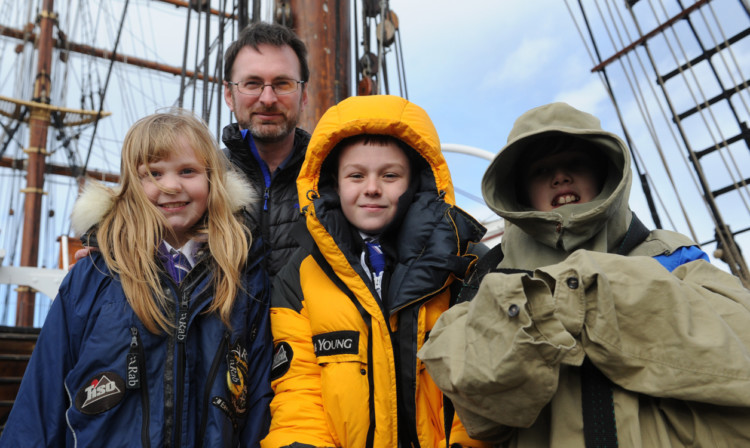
[133, 338]
[134, 374]
[266, 194]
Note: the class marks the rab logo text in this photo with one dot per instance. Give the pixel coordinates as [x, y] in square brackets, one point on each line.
[101, 393]
[336, 343]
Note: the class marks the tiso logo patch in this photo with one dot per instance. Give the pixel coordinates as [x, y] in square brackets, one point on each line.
[101, 393]
[336, 343]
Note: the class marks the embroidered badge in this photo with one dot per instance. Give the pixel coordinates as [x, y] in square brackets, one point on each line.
[237, 379]
[336, 343]
[101, 393]
[282, 360]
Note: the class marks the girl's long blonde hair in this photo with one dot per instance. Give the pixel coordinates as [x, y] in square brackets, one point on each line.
[130, 234]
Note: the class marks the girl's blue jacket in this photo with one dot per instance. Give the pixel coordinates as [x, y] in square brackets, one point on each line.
[97, 377]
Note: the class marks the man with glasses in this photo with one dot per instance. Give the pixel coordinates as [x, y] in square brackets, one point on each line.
[265, 71]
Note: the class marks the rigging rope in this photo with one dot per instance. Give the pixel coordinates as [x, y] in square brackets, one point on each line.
[723, 234]
[703, 108]
[183, 70]
[643, 108]
[728, 49]
[356, 47]
[205, 109]
[708, 195]
[106, 84]
[152, 79]
[737, 91]
[400, 66]
[381, 45]
[732, 256]
[648, 119]
[194, 78]
[218, 74]
[603, 77]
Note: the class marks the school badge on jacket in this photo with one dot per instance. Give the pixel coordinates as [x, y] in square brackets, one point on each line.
[237, 373]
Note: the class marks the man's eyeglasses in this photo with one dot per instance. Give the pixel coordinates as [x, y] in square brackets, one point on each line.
[255, 88]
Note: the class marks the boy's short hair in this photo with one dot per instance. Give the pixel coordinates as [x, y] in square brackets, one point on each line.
[331, 163]
[550, 144]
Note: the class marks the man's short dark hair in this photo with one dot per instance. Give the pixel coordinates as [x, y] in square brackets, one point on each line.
[259, 33]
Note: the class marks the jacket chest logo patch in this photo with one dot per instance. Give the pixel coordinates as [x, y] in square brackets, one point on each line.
[282, 360]
[336, 343]
[101, 393]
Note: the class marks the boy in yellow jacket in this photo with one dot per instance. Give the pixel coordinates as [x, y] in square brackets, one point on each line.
[383, 243]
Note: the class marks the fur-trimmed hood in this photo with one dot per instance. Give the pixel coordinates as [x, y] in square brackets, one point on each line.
[96, 200]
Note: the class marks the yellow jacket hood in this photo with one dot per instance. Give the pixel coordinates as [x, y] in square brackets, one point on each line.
[378, 114]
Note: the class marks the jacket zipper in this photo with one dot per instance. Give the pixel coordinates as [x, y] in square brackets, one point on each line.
[180, 389]
[263, 168]
[207, 391]
[397, 310]
[367, 318]
[137, 380]
[370, 440]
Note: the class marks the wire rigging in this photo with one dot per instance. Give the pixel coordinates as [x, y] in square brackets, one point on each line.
[703, 110]
[645, 184]
[642, 103]
[635, 59]
[106, 84]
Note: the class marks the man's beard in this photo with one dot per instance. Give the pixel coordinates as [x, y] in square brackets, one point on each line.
[271, 133]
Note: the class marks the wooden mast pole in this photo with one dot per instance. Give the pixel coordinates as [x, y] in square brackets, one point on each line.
[325, 29]
[37, 151]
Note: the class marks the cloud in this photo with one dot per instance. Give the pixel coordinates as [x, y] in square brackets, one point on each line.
[525, 62]
[589, 98]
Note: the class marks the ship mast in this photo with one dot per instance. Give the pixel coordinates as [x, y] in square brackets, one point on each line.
[38, 125]
[40, 113]
[324, 27]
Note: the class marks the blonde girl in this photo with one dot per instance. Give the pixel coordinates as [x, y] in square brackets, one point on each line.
[160, 337]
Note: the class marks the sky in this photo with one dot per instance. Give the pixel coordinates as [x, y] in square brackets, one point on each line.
[474, 66]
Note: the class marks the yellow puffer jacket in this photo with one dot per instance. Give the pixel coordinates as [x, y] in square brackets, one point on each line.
[345, 370]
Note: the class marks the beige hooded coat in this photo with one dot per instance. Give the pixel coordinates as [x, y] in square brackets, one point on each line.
[675, 344]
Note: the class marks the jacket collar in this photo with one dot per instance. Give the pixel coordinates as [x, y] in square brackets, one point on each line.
[239, 153]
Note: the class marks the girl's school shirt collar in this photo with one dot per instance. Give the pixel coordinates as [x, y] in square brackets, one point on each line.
[189, 249]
